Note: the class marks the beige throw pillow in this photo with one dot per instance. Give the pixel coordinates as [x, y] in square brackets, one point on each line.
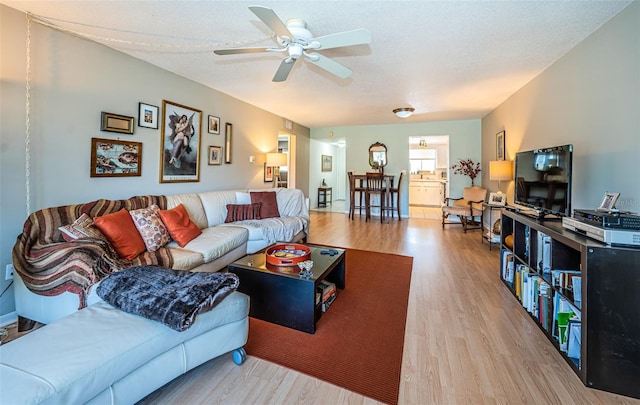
[151, 228]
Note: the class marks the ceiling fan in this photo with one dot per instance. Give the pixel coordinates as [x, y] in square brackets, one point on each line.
[294, 39]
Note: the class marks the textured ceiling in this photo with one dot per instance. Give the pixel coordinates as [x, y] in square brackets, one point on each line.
[450, 60]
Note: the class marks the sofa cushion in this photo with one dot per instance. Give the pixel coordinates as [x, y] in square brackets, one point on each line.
[119, 229]
[216, 241]
[192, 204]
[184, 259]
[150, 226]
[269, 202]
[215, 205]
[241, 212]
[271, 229]
[243, 198]
[179, 225]
[81, 228]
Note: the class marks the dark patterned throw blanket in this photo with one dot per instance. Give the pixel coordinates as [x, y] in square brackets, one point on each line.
[171, 297]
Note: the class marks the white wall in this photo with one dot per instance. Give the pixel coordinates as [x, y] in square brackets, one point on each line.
[73, 81]
[316, 175]
[464, 142]
[589, 98]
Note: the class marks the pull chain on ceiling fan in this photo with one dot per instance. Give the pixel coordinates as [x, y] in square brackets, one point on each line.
[295, 39]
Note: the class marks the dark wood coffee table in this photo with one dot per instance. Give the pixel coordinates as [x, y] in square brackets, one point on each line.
[279, 295]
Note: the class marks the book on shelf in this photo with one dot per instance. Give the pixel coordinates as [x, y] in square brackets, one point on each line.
[326, 288]
[564, 278]
[563, 312]
[544, 253]
[574, 339]
[507, 266]
[326, 304]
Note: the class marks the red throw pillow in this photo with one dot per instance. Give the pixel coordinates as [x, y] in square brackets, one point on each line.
[269, 202]
[180, 226]
[242, 212]
[122, 233]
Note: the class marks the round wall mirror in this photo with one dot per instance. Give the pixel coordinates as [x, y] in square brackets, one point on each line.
[377, 155]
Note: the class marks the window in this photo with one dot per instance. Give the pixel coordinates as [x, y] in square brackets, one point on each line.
[422, 159]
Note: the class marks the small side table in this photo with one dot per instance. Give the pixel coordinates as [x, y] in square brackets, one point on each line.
[325, 194]
[490, 208]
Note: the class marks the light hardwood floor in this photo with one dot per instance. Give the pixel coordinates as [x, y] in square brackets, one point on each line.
[466, 340]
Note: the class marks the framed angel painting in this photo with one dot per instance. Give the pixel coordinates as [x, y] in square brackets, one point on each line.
[181, 134]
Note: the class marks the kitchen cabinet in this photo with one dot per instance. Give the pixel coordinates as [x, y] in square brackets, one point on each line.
[426, 193]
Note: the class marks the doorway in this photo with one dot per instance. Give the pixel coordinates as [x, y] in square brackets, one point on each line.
[287, 144]
[428, 175]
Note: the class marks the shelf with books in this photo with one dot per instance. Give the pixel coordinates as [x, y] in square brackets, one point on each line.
[582, 294]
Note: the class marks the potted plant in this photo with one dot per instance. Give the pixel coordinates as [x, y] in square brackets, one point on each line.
[467, 167]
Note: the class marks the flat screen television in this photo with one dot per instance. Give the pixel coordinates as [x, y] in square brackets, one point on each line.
[543, 180]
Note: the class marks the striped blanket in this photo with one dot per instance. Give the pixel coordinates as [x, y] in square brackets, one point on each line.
[49, 265]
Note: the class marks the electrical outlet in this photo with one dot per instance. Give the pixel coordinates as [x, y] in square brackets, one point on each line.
[9, 272]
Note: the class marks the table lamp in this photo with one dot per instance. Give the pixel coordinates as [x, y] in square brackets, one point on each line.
[276, 160]
[500, 170]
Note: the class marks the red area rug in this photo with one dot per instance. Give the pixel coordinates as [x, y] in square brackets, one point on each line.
[358, 341]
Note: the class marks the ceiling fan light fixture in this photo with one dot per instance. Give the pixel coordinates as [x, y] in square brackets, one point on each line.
[404, 112]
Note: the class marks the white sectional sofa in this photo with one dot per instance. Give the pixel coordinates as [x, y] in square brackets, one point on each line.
[101, 355]
[74, 279]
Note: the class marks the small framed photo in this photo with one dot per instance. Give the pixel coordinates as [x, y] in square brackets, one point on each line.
[327, 163]
[268, 173]
[112, 158]
[215, 155]
[500, 146]
[609, 201]
[148, 115]
[497, 199]
[116, 123]
[214, 125]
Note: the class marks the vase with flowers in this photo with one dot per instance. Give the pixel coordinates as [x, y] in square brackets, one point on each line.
[467, 167]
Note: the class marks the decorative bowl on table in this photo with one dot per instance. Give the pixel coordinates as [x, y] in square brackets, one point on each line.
[288, 254]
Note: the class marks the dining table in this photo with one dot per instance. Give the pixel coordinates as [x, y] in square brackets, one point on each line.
[360, 181]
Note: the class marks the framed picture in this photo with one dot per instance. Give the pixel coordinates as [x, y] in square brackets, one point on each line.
[214, 125]
[268, 173]
[116, 123]
[228, 135]
[608, 201]
[497, 199]
[147, 115]
[111, 158]
[500, 145]
[215, 155]
[180, 143]
[327, 163]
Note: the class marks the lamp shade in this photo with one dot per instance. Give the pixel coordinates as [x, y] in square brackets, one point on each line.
[276, 159]
[500, 170]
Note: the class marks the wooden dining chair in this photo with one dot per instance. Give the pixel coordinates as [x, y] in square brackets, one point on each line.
[393, 198]
[356, 193]
[376, 185]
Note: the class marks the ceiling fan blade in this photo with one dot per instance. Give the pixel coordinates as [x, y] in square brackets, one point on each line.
[283, 71]
[269, 17]
[330, 66]
[340, 39]
[234, 51]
